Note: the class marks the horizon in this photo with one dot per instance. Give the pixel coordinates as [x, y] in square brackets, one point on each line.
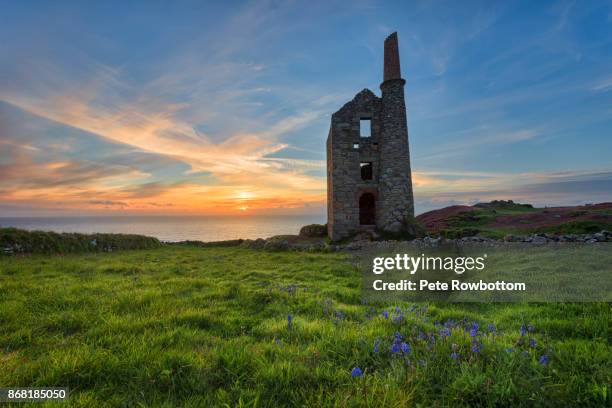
[209, 110]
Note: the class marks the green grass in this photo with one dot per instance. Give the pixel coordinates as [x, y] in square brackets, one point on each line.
[577, 227]
[191, 326]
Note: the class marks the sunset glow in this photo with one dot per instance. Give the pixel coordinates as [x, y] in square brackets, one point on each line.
[229, 114]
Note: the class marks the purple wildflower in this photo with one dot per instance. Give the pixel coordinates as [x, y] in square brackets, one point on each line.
[444, 332]
[530, 328]
[405, 348]
[491, 328]
[356, 372]
[397, 337]
[543, 360]
[385, 314]
[476, 347]
[395, 348]
[376, 346]
[509, 350]
[474, 329]
[523, 330]
[289, 320]
[532, 343]
[454, 355]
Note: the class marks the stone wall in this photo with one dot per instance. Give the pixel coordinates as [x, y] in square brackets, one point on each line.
[344, 184]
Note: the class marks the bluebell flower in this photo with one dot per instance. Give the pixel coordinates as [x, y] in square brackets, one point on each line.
[395, 348]
[385, 314]
[397, 309]
[530, 328]
[444, 332]
[475, 326]
[376, 346]
[532, 343]
[278, 342]
[543, 360]
[436, 323]
[509, 350]
[289, 320]
[397, 336]
[523, 330]
[356, 372]
[492, 328]
[398, 318]
[476, 347]
[454, 355]
[405, 348]
[473, 332]
[422, 336]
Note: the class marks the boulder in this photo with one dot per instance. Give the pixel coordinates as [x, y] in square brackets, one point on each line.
[313, 231]
[276, 245]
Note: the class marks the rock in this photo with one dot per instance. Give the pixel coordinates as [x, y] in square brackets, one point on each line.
[253, 244]
[395, 226]
[313, 230]
[599, 236]
[276, 245]
[538, 239]
[355, 246]
[363, 236]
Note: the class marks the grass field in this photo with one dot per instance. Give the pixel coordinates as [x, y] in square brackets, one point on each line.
[189, 326]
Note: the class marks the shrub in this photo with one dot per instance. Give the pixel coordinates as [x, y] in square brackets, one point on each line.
[13, 241]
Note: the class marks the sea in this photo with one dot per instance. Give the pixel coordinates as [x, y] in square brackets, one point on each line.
[172, 228]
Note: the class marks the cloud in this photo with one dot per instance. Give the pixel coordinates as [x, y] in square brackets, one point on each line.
[108, 203]
[603, 85]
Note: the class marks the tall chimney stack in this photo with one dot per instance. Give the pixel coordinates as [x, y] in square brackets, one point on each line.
[392, 62]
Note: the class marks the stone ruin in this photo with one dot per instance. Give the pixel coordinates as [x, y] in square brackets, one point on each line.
[369, 182]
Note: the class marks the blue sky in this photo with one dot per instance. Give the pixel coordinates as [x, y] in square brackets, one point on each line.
[211, 107]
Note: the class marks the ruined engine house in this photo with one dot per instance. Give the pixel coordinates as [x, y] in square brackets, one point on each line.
[369, 182]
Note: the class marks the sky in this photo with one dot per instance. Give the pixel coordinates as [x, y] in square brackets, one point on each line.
[198, 107]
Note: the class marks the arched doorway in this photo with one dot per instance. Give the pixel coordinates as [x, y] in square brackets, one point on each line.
[367, 209]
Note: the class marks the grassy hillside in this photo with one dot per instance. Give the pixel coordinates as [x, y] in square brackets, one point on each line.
[499, 218]
[194, 326]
